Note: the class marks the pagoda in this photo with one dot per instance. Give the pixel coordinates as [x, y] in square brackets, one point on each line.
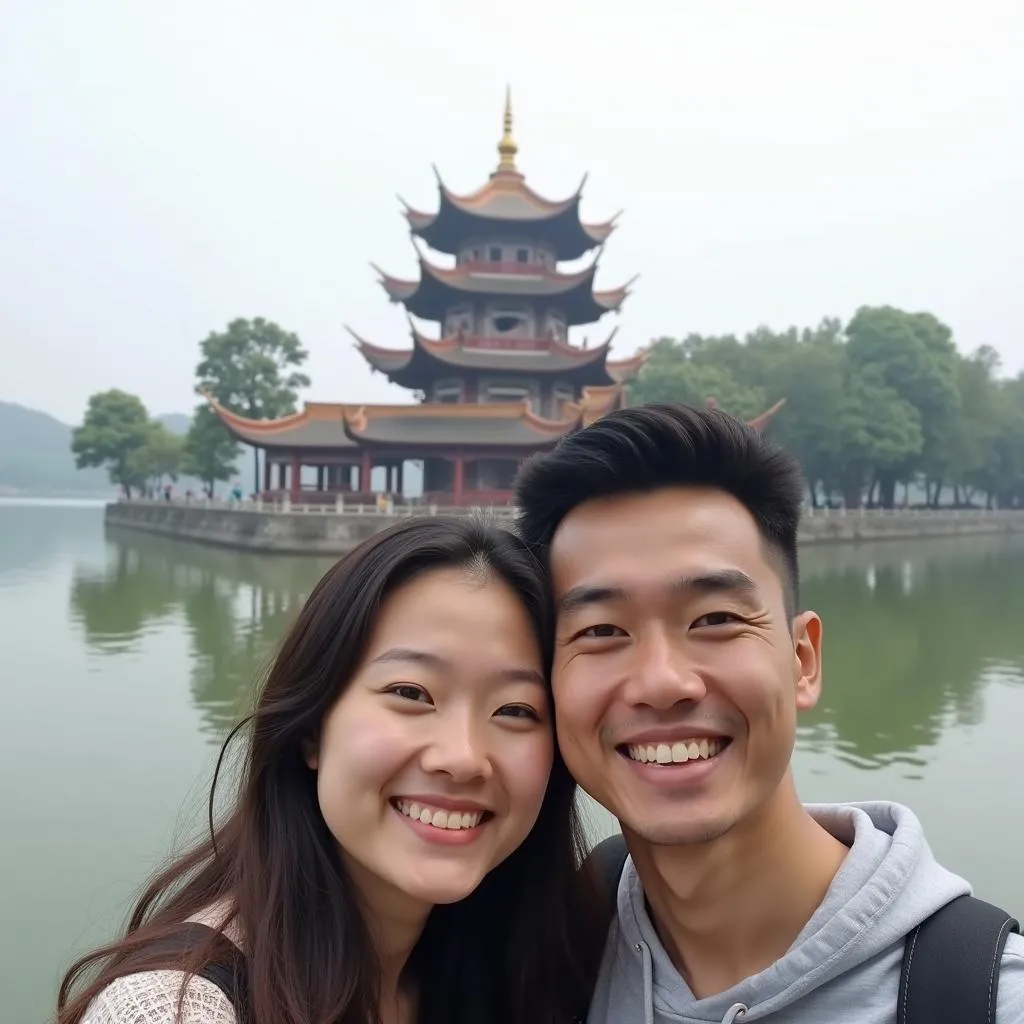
[502, 378]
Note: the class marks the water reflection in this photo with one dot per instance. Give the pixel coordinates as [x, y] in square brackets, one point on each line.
[911, 639]
[910, 645]
[118, 603]
[235, 609]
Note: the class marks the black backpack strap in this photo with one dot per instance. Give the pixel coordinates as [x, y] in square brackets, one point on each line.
[609, 858]
[951, 964]
[230, 974]
[232, 978]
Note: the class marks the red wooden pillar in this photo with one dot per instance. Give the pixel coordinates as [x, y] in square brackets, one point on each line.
[457, 480]
[364, 472]
[296, 480]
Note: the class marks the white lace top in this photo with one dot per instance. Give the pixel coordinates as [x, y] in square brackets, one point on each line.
[151, 997]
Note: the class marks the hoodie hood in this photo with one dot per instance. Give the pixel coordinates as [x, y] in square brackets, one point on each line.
[888, 884]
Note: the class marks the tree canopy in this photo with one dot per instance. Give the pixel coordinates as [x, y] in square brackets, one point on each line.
[210, 452]
[113, 435]
[886, 399]
[251, 369]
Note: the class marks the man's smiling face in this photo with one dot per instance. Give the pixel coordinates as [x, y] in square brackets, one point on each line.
[678, 673]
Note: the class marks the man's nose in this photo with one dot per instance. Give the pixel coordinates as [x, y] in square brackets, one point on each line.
[458, 749]
[662, 675]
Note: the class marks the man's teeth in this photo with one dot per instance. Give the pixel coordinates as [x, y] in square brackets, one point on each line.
[675, 753]
[437, 817]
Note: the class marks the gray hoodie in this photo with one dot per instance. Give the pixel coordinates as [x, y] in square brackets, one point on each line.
[845, 964]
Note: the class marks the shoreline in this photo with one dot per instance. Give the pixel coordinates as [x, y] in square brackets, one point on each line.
[324, 530]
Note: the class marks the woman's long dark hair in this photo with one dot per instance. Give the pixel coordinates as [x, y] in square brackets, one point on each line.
[522, 949]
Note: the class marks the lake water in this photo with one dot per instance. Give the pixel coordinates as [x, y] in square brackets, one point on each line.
[125, 659]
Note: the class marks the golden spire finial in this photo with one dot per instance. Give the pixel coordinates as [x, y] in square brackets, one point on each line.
[507, 148]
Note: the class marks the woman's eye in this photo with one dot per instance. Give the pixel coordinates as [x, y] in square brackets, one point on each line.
[409, 692]
[716, 619]
[518, 711]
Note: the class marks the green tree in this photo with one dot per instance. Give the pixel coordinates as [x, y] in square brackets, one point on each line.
[972, 442]
[915, 357]
[160, 456]
[878, 432]
[679, 371]
[210, 451]
[250, 369]
[812, 377]
[1008, 464]
[115, 430]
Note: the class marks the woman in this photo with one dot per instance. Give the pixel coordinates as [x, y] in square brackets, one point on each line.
[404, 845]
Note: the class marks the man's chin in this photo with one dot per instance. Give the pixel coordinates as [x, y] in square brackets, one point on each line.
[696, 832]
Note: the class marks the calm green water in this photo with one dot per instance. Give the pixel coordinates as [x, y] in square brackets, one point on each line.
[124, 658]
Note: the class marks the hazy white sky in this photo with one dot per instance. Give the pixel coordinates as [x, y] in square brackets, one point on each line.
[167, 167]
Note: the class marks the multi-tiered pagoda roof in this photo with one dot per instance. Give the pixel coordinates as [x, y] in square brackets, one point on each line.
[501, 379]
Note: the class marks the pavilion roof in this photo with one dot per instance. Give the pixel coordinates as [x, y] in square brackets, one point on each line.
[320, 425]
[761, 421]
[496, 424]
[325, 426]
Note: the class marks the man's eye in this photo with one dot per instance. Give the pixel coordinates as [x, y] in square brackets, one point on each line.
[605, 629]
[716, 619]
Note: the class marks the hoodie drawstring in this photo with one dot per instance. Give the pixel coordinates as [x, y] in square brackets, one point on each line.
[733, 1014]
[648, 976]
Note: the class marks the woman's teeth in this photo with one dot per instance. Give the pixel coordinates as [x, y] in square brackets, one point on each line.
[438, 817]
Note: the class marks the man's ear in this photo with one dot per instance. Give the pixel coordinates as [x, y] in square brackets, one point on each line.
[807, 631]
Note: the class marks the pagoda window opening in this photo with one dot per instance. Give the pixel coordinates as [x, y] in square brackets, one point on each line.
[511, 323]
[509, 393]
[448, 392]
[494, 254]
[522, 255]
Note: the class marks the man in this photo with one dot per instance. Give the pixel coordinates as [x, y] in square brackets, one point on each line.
[682, 659]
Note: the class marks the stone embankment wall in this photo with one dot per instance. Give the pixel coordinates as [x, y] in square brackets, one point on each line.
[835, 526]
[317, 530]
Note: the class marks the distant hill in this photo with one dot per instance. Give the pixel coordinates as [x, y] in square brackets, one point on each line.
[175, 422]
[35, 455]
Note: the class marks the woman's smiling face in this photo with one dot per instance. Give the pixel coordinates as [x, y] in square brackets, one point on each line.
[432, 765]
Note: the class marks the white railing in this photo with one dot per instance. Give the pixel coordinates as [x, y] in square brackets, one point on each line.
[284, 506]
[909, 513]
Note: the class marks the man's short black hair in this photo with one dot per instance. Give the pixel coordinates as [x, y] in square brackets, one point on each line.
[650, 447]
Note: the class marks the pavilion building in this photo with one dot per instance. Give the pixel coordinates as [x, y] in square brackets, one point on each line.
[500, 382]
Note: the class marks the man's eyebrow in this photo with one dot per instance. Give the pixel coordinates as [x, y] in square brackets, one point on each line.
[437, 663]
[577, 598]
[716, 581]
